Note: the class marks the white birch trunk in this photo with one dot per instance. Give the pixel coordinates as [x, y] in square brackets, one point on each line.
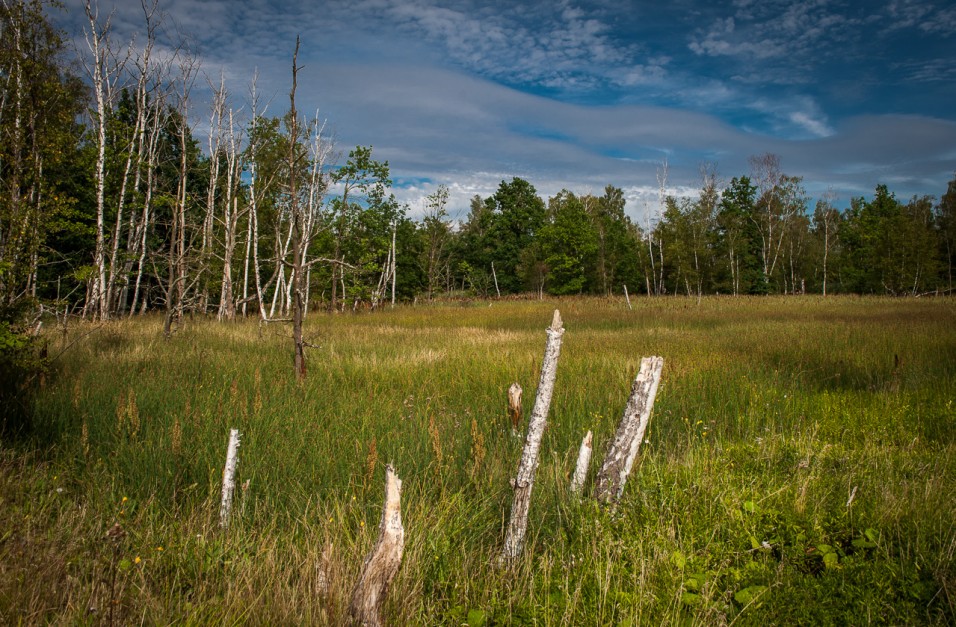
[628, 299]
[394, 229]
[581, 469]
[382, 564]
[619, 460]
[524, 481]
[229, 478]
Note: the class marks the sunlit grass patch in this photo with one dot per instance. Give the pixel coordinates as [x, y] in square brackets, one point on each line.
[797, 467]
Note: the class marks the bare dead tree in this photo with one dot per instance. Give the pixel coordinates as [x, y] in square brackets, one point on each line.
[134, 158]
[298, 227]
[149, 96]
[214, 142]
[104, 71]
[662, 173]
[176, 287]
[230, 218]
[827, 218]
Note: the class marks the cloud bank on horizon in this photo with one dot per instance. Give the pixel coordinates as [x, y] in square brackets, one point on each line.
[579, 95]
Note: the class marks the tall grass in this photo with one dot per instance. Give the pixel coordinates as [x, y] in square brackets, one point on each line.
[771, 414]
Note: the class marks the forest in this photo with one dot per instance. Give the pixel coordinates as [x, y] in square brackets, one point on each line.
[112, 204]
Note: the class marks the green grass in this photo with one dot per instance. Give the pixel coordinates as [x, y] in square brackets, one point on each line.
[772, 412]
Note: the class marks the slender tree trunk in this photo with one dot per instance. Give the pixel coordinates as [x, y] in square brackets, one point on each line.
[100, 72]
[298, 229]
[394, 251]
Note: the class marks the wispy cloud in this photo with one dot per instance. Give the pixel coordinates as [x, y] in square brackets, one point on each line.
[450, 91]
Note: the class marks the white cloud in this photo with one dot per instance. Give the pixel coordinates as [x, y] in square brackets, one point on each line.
[378, 69]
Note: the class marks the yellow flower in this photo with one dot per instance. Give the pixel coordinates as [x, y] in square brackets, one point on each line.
[125, 498]
[159, 548]
[137, 560]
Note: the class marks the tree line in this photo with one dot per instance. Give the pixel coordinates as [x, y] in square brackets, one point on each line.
[111, 206]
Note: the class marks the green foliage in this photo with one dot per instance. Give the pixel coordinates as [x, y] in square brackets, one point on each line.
[505, 228]
[39, 147]
[23, 364]
[568, 245]
[888, 246]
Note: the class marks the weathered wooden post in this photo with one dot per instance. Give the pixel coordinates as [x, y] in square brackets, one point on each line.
[524, 481]
[229, 478]
[381, 565]
[514, 405]
[581, 469]
[619, 460]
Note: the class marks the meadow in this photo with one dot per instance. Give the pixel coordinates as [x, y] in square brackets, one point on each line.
[799, 467]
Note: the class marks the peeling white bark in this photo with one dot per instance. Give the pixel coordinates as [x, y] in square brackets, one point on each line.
[619, 460]
[229, 478]
[581, 469]
[517, 525]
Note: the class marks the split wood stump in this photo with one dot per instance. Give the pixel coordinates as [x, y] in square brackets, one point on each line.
[609, 485]
[381, 565]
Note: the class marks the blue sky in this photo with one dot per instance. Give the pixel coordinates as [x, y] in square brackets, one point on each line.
[578, 95]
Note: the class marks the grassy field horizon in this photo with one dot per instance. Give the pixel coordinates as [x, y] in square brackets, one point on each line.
[798, 468]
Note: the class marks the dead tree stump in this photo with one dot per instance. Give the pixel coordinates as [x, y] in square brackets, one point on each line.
[524, 481]
[581, 469]
[381, 565]
[619, 460]
[229, 478]
[514, 405]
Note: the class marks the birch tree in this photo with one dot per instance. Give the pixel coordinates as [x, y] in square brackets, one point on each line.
[826, 219]
[780, 198]
[177, 277]
[104, 71]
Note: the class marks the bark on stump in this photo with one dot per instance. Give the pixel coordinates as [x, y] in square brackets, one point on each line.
[524, 481]
[609, 485]
[514, 405]
[229, 478]
[381, 565]
[581, 469]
